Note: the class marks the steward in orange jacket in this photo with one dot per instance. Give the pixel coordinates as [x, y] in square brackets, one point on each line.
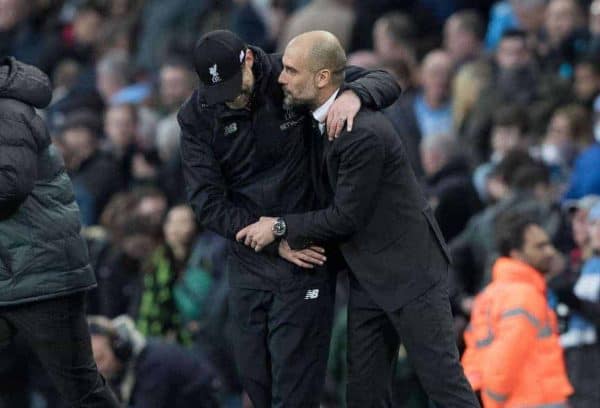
[513, 356]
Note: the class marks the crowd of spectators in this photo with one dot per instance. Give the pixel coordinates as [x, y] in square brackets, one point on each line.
[500, 111]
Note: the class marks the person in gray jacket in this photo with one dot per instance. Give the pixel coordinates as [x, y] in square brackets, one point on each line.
[44, 265]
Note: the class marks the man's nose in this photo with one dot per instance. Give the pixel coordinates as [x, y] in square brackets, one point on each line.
[281, 78]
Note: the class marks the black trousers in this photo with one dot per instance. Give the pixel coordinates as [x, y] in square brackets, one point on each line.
[57, 332]
[281, 342]
[424, 325]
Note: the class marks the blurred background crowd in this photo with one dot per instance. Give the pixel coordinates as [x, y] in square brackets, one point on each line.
[500, 111]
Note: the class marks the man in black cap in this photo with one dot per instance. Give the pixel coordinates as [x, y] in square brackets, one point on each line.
[245, 155]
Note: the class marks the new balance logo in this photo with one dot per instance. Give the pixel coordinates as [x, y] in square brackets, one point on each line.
[312, 294]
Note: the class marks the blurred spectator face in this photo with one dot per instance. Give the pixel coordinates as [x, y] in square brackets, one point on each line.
[530, 13]
[559, 132]
[561, 19]
[152, 208]
[537, 250]
[119, 8]
[112, 74]
[393, 38]
[460, 43]
[11, 12]
[505, 138]
[108, 365]
[385, 46]
[594, 228]
[364, 59]
[435, 76]
[86, 27]
[180, 226]
[108, 84]
[138, 246]
[594, 24]
[76, 145]
[512, 53]
[587, 82]
[176, 85]
[120, 125]
[579, 226]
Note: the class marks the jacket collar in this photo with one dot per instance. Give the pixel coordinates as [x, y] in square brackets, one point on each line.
[513, 271]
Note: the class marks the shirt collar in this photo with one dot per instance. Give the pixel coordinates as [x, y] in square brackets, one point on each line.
[320, 114]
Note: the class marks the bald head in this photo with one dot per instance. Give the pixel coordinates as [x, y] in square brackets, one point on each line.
[313, 69]
[321, 50]
[436, 72]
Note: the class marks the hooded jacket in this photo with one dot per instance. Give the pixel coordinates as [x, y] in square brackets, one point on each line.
[42, 254]
[513, 355]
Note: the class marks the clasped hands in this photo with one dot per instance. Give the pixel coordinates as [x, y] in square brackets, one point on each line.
[260, 234]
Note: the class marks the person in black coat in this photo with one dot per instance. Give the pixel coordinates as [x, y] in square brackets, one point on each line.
[148, 373]
[44, 263]
[448, 184]
[392, 246]
[244, 154]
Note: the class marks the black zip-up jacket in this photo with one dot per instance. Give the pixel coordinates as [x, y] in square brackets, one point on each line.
[241, 164]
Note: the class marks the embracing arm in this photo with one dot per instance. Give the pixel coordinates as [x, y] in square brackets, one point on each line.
[373, 89]
[205, 184]
[376, 89]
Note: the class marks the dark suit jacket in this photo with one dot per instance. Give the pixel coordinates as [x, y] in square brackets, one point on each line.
[385, 229]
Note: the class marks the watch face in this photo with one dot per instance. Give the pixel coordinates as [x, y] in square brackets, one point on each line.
[279, 228]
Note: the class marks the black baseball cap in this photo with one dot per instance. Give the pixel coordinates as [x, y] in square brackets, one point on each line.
[218, 59]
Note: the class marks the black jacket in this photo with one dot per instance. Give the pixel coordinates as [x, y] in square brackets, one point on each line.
[387, 233]
[241, 164]
[169, 376]
[42, 254]
[454, 197]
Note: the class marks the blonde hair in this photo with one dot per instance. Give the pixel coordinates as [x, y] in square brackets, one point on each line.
[467, 85]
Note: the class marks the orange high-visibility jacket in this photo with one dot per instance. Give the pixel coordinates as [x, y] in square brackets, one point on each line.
[513, 355]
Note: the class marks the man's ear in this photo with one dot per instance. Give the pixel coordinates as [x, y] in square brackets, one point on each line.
[323, 78]
[516, 254]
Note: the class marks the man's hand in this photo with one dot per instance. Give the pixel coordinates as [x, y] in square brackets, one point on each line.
[343, 110]
[305, 258]
[257, 235]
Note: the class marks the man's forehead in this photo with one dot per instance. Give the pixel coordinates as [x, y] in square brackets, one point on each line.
[293, 54]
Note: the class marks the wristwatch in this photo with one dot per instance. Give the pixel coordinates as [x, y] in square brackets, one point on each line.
[279, 228]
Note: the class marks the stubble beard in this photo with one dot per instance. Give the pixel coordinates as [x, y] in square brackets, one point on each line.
[291, 102]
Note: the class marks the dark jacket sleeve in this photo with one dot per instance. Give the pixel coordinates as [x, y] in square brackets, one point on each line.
[376, 89]
[18, 162]
[565, 293]
[361, 159]
[205, 185]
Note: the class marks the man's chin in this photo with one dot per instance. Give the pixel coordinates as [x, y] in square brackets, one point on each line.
[290, 102]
